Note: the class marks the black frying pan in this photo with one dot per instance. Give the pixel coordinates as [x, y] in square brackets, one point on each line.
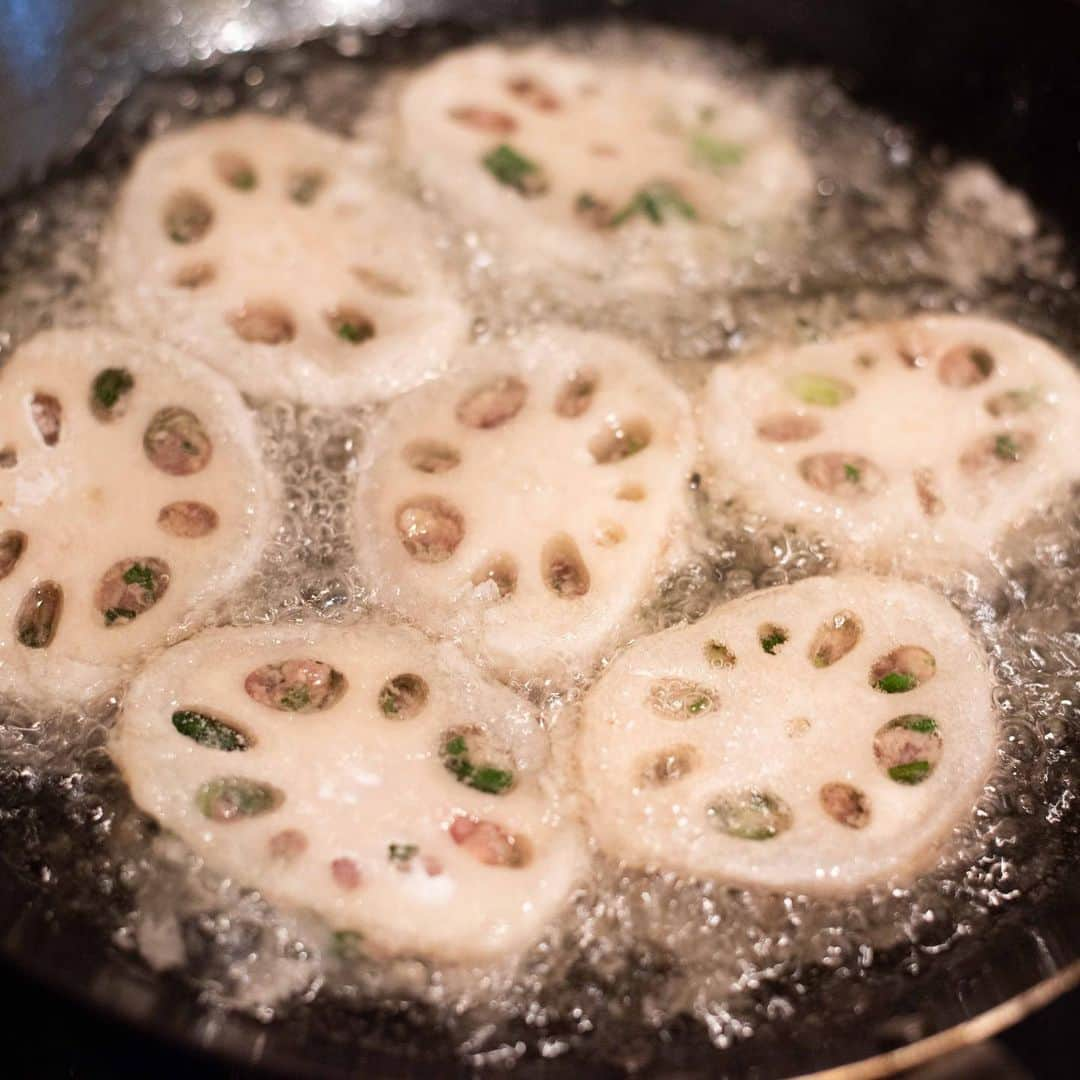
[990, 80]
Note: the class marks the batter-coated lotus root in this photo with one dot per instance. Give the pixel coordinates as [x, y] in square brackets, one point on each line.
[811, 737]
[361, 773]
[527, 503]
[581, 161]
[916, 442]
[266, 246]
[131, 498]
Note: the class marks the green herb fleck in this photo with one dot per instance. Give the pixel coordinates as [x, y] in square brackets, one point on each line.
[296, 698]
[1014, 401]
[111, 385]
[114, 613]
[1006, 449]
[913, 772]
[137, 574]
[207, 731]
[852, 473]
[771, 641]
[485, 778]
[655, 202]
[819, 389]
[353, 332]
[515, 170]
[346, 944]
[897, 682]
[243, 180]
[490, 780]
[230, 797]
[698, 705]
[388, 702]
[750, 815]
[925, 725]
[401, 853]
[713, 153]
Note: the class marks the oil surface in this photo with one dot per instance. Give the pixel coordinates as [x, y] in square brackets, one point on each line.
[893, 230]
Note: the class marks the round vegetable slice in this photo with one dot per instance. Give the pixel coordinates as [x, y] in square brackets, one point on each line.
[267, 247]
[528, 545]
[149, 505]
[957, 429]
[429, 830]
[621, 164]
[798, 773]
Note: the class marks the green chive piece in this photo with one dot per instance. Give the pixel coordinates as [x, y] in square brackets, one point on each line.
[485, 778]
[820, 390]
[230, 797]
[208, 731]
[401, 853]
[773, 640]
[111, 385]
[897, 682]
[297, 697]
[114, 613]
[656, 202]
[750, 815]
[713, 153]
[852, 473]
[346, 944]
[515, 170]
[137, 574]
[913, 772]
[1006, 449]
[1009, 402]
[489, 780]
[926, 725]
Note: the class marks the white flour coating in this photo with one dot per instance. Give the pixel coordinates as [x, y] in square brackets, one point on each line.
[703, 752]
[599, 165]
[919, 441]
[267, 247]
[368, 824]
[555, 468]
[80, 498]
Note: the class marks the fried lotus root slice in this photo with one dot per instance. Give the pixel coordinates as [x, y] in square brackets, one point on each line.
[267, 247]
[574, 160]
[407, 806]
[149, 505]
[528, 545]
[913, 444]
[801, 774]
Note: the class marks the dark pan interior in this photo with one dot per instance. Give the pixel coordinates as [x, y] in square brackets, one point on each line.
[996, 81]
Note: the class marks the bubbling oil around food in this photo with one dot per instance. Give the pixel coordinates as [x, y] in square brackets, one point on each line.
[894, 231]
